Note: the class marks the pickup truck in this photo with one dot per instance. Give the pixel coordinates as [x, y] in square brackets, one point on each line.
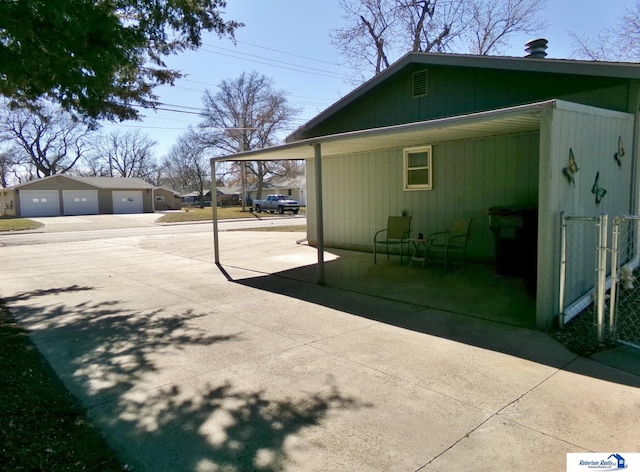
[279, 203]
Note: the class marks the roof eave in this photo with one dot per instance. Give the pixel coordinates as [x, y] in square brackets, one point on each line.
[399, 135]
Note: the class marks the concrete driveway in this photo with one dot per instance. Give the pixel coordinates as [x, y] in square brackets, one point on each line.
[187, 366]
[96, 222]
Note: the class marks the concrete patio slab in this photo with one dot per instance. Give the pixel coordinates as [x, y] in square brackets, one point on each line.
[187, 366]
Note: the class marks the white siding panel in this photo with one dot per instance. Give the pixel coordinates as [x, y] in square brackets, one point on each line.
[593, 137]
[39, 203]
[362, 190]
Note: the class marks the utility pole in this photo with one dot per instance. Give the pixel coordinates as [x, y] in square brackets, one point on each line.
[243, 169]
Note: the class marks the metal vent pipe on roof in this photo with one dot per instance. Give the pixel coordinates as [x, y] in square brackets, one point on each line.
[536, 48]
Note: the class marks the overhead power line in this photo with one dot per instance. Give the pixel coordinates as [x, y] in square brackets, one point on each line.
[290, 54]
[294, 67]
[313, 69]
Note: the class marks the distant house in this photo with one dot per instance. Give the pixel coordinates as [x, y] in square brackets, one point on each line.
[68, 195]
[226, 196]
[294, 187]
[440, 136]
[193, 198]
[166, 199]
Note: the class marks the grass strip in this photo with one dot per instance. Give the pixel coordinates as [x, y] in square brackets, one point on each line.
[205, 214]
[42, 426]
[18, 224]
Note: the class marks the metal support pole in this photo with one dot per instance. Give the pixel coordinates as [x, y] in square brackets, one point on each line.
[614, 274]
[319, 212]
[563, 268]
[214, 211]
[601, 276]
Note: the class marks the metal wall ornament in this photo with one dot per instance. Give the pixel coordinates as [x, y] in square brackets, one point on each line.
[618, 155]
[597, 190]
[571, 168]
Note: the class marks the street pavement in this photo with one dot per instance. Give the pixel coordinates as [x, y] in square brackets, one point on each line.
[185, 365]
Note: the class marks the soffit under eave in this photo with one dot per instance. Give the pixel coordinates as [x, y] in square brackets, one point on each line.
[371, 140]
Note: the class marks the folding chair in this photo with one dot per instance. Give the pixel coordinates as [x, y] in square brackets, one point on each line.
[455, 239]
[397, 232]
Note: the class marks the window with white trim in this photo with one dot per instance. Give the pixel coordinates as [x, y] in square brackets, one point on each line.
[418, 168]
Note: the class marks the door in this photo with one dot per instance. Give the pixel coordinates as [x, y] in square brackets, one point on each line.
[127, 201]
[80, 202]
[39, 203]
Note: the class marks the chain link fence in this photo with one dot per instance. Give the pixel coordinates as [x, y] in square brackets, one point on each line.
[624, 317]
[600, 277]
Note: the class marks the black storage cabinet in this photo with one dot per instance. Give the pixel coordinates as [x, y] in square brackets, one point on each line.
[516, 232]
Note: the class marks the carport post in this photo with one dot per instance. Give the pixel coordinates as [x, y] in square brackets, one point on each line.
[320, 222]
[214, 211]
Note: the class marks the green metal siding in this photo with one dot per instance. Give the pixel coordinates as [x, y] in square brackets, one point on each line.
[458, 91]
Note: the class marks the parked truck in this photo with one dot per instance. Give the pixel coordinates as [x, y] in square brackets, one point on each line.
[279, 203]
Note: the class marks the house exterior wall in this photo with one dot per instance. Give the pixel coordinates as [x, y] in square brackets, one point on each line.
[105, 200]
[9, 204]
[360, 191]
[165, 199]
[592, 134]
[458, 91]
[57, 182]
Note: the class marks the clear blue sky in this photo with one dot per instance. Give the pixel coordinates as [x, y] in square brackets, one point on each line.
[288, 41]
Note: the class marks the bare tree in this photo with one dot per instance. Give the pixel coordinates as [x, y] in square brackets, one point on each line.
[128, 154]
[366, 38]
[431, 25]
[187, 166]
[246, 113]
[619, 43]
[52, 139]
[13, 166]
[378, 31]
[493, 21]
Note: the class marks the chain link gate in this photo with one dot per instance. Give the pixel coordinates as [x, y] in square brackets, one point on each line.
[603, 290]
[579, 257]
[624, 317]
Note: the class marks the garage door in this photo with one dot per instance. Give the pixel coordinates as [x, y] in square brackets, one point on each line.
[129, 201]
[80, 202]
[39, 203]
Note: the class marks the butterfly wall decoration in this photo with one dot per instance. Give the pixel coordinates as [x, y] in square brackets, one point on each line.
[571, 168]
[597, 190]
[618, 155]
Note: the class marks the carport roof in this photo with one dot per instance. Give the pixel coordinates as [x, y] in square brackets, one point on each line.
[518, 119]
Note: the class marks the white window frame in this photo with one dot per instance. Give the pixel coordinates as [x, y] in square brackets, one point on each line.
[429, 167]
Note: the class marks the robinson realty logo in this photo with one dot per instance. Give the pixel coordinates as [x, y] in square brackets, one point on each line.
[628, 462]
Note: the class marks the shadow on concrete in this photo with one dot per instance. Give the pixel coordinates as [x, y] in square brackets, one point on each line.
[224, 428]
[475, 290]
[400, 298]
[106, 354]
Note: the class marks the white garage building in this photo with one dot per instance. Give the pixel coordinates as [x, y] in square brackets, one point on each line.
[66, 195]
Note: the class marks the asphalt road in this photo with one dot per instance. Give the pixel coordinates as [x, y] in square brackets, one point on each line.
[87, 228]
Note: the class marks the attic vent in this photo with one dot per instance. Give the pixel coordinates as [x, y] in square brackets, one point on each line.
[419, 83]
